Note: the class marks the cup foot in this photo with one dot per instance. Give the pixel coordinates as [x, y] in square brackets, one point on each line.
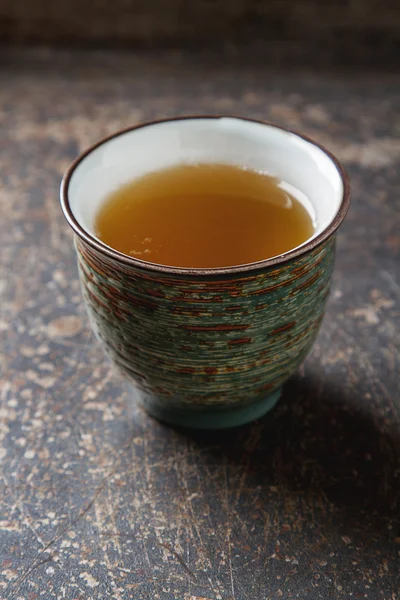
[214, 418]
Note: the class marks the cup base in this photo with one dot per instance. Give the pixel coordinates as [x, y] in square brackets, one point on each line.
[214, 419]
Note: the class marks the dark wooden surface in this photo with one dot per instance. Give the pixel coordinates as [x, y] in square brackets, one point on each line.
[100, 501]
[366, 30]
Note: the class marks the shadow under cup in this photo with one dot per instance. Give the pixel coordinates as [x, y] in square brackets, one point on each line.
[206, 348]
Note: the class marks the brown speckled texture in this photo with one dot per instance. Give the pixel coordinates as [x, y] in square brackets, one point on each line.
[100, 501]
[179, 342]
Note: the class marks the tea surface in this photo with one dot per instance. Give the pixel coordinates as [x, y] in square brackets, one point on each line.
[206, 215]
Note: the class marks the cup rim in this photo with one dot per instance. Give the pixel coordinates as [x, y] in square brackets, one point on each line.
[137, 263]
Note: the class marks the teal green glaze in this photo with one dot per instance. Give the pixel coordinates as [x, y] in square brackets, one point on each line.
[196, 345]
[212, 418]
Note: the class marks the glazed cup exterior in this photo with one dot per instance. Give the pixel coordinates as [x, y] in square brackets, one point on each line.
[206, 348]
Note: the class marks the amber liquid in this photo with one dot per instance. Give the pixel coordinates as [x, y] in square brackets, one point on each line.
[206, 215]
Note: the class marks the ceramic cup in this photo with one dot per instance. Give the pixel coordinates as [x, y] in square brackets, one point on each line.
[206, 348]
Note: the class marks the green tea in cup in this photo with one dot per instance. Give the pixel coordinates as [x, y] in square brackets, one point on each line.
[204, 216]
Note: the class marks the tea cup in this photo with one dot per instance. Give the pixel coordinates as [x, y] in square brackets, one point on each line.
[206, 348]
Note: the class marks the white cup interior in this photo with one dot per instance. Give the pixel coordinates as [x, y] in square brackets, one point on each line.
[226, 140]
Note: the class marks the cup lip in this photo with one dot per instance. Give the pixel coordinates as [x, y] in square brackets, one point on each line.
[198, 271]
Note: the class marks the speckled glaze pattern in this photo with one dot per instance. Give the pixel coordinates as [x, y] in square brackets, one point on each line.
[195, 342]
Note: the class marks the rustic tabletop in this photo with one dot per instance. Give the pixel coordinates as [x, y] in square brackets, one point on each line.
[100, 501]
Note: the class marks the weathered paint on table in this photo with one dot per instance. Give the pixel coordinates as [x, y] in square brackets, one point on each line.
[100, 501]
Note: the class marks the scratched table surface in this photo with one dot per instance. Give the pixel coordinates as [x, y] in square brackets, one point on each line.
[100, 501]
